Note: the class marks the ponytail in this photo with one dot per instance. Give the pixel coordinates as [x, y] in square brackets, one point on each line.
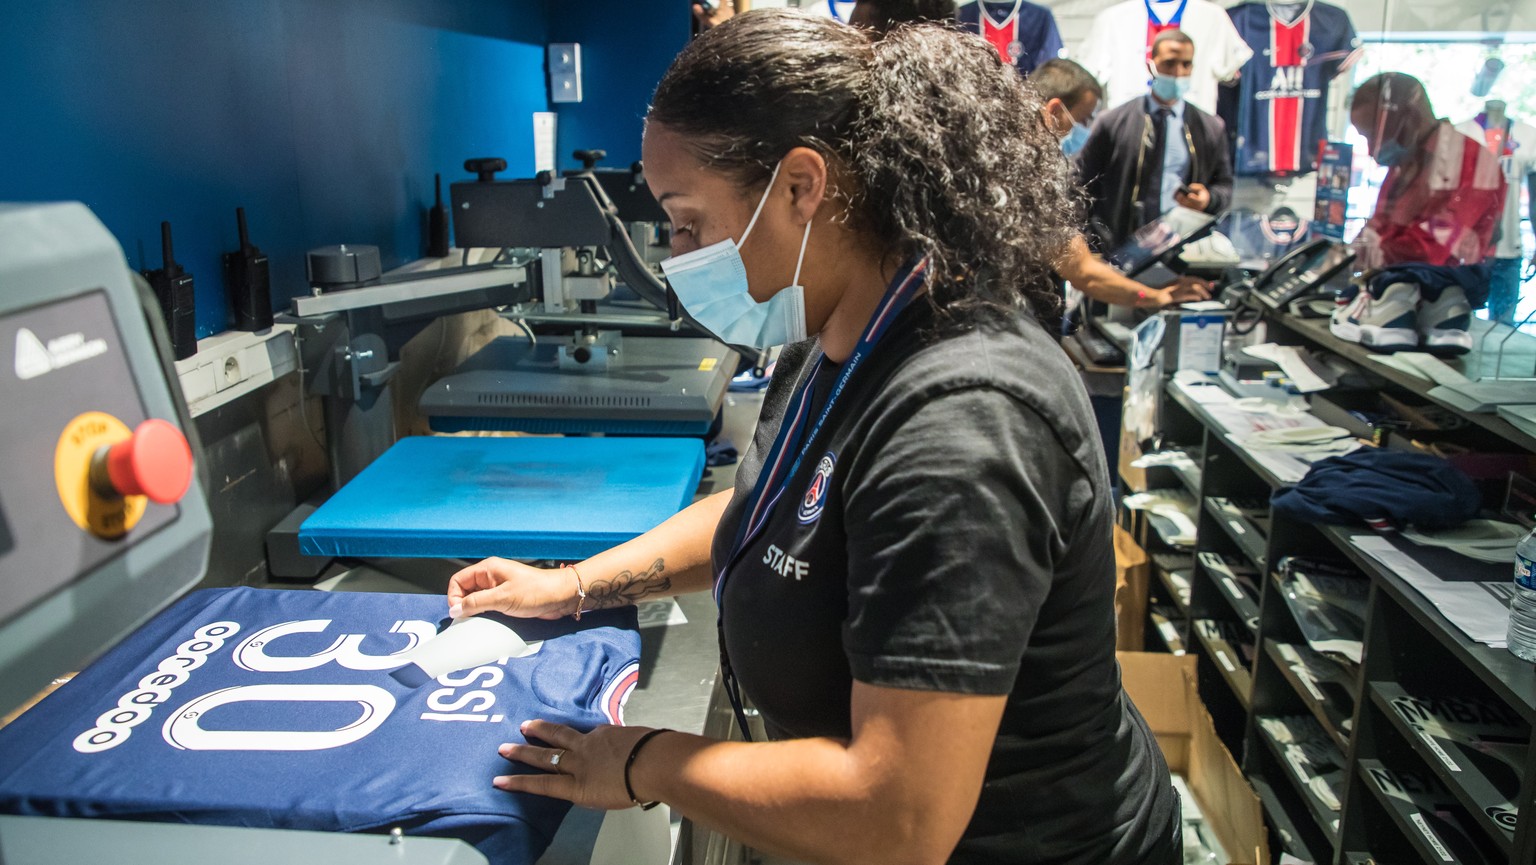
[938, 147]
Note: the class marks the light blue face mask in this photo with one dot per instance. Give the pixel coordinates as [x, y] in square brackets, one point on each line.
[1170, 88]
[1076, 137]
[712, 284]
[1391, 153]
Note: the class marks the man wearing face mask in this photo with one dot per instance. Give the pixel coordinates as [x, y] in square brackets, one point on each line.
[1152, 154]
[1436, 219]
[1070, 96]
[1443, 193]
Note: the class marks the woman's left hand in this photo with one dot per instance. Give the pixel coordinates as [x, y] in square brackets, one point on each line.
[583, 768]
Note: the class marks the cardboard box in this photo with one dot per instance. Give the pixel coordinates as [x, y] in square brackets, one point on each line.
[1163, 689]
[1133, 570]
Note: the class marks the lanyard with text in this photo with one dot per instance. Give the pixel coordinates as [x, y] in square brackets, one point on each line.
[777, 468]
[1154, 27]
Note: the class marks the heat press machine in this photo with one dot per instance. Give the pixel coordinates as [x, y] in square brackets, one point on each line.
[597, 368]
[103, 520]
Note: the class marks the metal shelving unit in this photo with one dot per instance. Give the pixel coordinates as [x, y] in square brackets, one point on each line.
[1410, 651]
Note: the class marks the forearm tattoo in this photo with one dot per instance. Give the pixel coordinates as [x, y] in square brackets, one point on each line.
[627, 587]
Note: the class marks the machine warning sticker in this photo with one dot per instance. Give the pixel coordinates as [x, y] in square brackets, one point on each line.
[708, 364]
[33, 358]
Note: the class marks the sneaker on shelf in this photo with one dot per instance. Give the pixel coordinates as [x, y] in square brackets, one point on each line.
[1445, 321]
[1386, 323]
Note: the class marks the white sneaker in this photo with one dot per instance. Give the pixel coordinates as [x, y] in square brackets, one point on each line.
[1344, 323]
[1444, 323]
[1387, 323]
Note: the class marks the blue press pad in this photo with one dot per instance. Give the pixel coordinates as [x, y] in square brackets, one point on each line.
[523, 498]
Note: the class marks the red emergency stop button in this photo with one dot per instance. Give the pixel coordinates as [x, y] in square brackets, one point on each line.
[155, 462]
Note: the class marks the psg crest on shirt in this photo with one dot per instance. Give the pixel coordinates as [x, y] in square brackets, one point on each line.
[815, 498]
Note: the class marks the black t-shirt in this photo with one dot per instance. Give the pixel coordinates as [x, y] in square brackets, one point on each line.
[950, 530]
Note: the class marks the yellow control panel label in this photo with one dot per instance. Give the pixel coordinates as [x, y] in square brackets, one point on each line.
[708, 364]
[103, 516]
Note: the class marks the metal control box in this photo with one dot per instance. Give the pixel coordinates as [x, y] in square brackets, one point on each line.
[80, 371]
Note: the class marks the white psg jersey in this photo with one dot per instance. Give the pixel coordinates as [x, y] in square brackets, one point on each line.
[1115, 51]
[273, 708]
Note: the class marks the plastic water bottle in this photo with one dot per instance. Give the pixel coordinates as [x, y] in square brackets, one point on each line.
[1522, 607]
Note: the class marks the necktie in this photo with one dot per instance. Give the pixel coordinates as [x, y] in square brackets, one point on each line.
[1152, 167]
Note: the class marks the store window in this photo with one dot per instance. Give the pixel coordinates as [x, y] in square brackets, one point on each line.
[1480, 77]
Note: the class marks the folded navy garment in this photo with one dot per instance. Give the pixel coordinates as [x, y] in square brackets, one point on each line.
[1385, 489]
[1434, 278]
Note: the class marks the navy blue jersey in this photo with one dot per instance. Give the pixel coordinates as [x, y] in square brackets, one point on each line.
[272, 708]
[1023, 33]
[1278, 115]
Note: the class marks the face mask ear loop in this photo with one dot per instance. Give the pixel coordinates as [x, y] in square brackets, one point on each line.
[760, 202]
[801, 260]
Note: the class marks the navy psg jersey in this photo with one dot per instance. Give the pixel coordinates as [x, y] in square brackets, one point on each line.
[1023, 33]
[1278, 114]
[274, 708]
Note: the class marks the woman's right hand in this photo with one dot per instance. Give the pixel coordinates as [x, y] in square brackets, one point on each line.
[511, 588]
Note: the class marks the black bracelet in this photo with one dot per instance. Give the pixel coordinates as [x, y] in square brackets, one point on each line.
[633, 753]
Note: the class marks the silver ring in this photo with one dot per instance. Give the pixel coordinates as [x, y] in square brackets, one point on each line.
[554, 759]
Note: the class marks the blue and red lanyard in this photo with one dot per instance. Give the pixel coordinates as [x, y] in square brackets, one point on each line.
[778, 469]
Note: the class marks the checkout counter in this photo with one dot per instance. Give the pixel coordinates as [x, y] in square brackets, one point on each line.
[107, 512]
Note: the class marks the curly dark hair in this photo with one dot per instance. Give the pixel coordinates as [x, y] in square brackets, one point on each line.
[938, 148]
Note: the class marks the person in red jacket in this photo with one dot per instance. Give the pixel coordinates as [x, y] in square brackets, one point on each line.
[1441, 200]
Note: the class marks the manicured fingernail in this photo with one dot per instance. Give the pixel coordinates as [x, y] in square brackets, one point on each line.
[501, 781]
[524, 726]
[505, 749]
[456, 611]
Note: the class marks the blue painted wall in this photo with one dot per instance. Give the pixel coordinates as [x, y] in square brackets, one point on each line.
[325, 119]
[626, 45]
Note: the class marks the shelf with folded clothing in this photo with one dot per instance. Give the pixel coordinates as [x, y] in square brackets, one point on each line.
[1510, 679]
[1472, 744]
[1313, 764]
[1315, 332]
[1328, 699]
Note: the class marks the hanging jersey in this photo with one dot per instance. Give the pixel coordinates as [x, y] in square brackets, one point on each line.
[276, 709]
[840, 10]
[1023, 33]
[1115, 51]
[1259, 238]
[1515, 146]
[1280, 111]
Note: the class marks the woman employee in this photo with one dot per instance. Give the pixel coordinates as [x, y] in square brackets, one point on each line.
[914, 571]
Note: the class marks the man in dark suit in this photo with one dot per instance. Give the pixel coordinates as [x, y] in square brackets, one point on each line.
[1151, 154]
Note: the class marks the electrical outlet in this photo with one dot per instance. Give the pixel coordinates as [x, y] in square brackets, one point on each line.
[564, 72]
